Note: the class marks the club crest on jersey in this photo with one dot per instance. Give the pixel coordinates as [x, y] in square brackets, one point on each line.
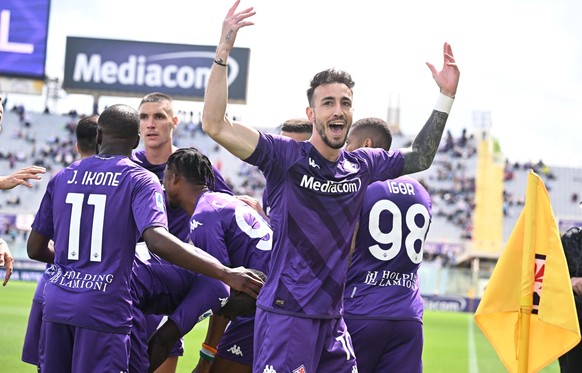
[349, 166]
[301, 369]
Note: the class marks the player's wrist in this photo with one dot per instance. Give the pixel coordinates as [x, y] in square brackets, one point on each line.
[207, 352]
[444, 103]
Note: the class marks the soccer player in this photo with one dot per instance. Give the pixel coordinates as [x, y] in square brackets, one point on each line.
[187, 297]
[316, 190]
[229, 230]
[113, 202]
[382, 296]
[157, 124]
[86, 145]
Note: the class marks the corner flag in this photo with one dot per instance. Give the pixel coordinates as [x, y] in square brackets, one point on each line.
[527, 311]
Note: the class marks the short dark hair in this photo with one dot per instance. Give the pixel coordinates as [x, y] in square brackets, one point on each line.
[375, 128]
[297, 125]
[86, 133]
[120, 121]
[328, 76]
[194, 166]
[159, 97]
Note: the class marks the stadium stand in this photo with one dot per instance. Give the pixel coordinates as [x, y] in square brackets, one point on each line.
[48, 140]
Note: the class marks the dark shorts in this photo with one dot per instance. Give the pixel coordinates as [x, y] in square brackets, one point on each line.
[387, 345]
[237, 342]
[74, 349]
[295, 344]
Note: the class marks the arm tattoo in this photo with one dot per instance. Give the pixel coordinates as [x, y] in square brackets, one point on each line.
[229, 36]
[420, 155]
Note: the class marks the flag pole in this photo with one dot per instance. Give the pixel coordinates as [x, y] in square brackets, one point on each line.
[526, 296]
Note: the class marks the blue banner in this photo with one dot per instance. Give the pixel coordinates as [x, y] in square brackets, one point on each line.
[23, 37]
[133, 68]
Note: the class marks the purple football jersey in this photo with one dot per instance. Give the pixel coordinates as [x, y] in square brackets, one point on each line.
[315, 206]
[95, 211]
[231, 231]
[177, 217]
[382, 278]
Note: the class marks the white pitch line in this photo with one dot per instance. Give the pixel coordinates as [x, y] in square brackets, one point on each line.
[473, 366]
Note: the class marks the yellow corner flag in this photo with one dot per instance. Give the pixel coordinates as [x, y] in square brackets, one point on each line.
[527, 311]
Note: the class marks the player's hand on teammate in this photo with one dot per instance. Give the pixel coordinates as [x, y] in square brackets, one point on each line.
[242, 279]
[254, 203]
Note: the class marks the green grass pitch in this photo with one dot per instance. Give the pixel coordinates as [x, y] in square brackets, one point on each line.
[448, 346]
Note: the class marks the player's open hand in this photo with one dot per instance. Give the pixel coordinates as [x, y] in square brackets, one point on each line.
[21, 177]
[232, 23]
[448, 78]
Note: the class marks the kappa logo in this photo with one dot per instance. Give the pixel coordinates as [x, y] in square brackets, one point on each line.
[313, 164]
[269, 369]
[235, 350]
[301, 369]
[194, 224]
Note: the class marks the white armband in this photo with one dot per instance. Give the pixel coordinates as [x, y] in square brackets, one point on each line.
[444, 103]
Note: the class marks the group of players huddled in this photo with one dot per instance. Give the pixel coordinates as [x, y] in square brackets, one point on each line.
[142, 245]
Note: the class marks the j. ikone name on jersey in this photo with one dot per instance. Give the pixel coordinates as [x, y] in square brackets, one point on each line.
[78, 280]
[96, 178]
[331, 187]
[391, 278]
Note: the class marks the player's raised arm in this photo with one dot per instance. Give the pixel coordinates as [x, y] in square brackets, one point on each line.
[420, 155]
[238, 139]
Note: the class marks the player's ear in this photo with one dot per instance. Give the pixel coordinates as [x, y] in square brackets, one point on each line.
[136, 142]
[368, 143]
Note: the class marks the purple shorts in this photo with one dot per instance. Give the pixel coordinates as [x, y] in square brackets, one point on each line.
[237, 342]
[387, 345]
[30, 349]
[74, 349]
[297, 344]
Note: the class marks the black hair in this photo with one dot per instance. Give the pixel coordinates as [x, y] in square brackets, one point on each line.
[120, 121]
[297, 125]
[572, 244]
[375, 128]
[191, 164]
[86, 133]
[328, 76]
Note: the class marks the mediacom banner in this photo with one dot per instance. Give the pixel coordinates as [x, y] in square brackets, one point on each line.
[23, 37]
[133, 68]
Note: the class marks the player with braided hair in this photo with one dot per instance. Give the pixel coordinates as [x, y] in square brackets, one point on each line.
[234, 233]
